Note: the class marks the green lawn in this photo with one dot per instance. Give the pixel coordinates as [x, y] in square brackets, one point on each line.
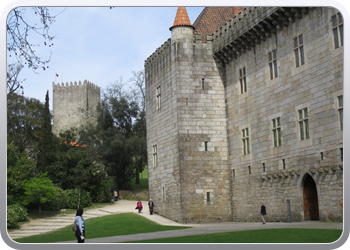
[258, 236]
[110, 225]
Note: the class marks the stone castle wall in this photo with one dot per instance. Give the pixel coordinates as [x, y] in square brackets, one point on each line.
[314, 85]
[74, 104]
[162, 133]
[198, 131]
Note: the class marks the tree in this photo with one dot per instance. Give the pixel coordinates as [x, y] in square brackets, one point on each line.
[77, 166]
[19, 29]
[47, 140]
[113, 133]
[138, 88]
[39, 190]
[139, 95]
[19, 169]
[24, 121]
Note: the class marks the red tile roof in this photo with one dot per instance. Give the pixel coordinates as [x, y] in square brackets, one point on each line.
[181, 18]
[211, 18]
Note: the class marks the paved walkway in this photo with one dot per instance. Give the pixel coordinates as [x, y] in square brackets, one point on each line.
[40, 226]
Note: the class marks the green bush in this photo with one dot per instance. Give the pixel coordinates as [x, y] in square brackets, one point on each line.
[57, 202]
[73, 198]
[15, 214]
[102, 195]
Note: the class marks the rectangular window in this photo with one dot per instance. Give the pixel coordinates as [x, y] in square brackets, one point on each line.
[206, 146]
[233, 173]
[273, 64]
[303, 124]
[242, 80]
[245, 141]
[340, 111]
[284, 163]
[276, 130]
[263, 165]
[337, 22]
[155, 158]
[203, 85]
[249, 170]
[158, 94]
[341, 154]
[299, 51]
[321, 155]
[208, 196]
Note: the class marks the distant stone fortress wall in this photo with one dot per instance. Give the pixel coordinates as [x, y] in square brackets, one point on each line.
[74, 104]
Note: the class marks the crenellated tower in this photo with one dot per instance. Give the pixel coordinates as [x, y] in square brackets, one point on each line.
[74, 104]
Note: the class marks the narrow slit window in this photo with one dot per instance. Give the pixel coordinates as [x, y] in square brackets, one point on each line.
[340, 111]
[242, 80]
[273, 64]
[303, 116]
[299, 51]
[338, 35]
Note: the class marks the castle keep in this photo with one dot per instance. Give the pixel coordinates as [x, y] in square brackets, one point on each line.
[74, 104]
[249, 111]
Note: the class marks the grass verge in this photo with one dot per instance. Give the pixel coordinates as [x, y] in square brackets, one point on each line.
[110, 225]
[294, 235]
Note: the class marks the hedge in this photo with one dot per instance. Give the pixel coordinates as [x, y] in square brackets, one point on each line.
[15, 214]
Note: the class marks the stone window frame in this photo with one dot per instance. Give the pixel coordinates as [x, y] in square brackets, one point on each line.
[242, 80]
[276, 132]
[303, 122]
[306, 142]
[211, 194]
[299, 52]
[337, 30]
[158, 97]
[340, 111]
[155, 156]
[272, 64]
[339, 132]
[245, 141]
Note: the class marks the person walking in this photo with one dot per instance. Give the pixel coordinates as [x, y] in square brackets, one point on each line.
[151, 206]
[79, 221]
[263, 212]
[116, 195]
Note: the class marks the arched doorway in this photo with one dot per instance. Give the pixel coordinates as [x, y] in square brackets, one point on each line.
[310, 199]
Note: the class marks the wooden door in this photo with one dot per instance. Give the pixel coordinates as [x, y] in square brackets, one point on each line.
[310, 199]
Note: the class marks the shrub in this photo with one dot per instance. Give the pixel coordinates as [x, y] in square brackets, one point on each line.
[73, 198]
[102, 195]
[57, 202]
[15, 214]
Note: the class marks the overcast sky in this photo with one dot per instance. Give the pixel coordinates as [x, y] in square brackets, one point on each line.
[99, 44]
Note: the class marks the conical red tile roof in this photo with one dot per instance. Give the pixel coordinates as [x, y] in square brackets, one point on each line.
[181, 18]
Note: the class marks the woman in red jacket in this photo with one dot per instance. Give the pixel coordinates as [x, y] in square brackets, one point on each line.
[139, 206]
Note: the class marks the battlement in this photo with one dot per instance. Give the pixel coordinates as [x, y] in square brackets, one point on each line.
[75, 84]
[250, 27]
[158, 53]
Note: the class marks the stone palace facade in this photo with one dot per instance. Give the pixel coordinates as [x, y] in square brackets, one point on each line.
[249, 111]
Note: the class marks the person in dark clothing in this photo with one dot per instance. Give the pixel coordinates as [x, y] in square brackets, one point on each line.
[79, 221]
[151, 206]
[263, 212]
